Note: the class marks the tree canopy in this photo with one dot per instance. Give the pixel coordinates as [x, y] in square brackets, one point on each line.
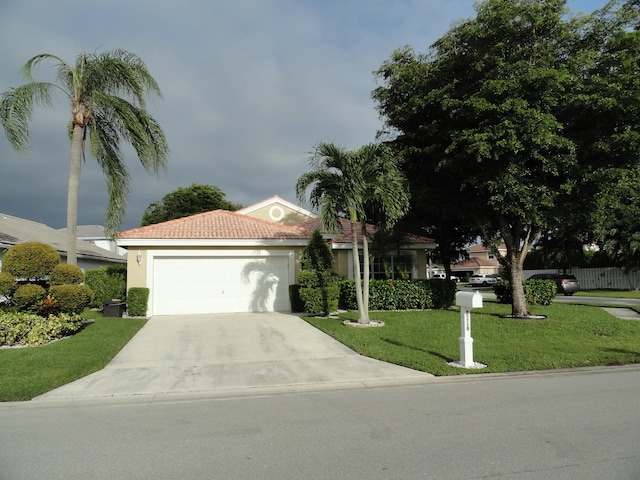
[184, 202]
[107, 95]
[491, 121]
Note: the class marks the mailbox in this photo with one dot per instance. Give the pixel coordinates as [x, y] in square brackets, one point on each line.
[469, 299]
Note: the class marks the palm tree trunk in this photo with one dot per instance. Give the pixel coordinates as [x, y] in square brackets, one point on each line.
[75, 164]
[362, 316]
[365, 273]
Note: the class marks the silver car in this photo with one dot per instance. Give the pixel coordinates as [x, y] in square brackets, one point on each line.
[483, 280]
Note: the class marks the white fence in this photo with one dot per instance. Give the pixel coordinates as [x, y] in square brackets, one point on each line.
[607, 278]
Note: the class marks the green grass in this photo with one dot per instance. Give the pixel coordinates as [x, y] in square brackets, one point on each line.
[28, 372]
[571, 336]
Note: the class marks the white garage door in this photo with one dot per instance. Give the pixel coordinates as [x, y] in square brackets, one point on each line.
[187, 285]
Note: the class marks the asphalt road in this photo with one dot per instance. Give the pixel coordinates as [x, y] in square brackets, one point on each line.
[578, 424]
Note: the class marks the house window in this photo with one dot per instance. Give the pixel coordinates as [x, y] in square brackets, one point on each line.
[392, 268]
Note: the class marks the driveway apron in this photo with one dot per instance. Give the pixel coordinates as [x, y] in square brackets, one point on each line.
[176, 354]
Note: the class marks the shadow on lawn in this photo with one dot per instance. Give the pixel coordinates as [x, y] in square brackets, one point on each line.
[430, 352]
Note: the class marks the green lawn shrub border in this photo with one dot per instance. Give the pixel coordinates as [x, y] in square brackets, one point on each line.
[107, 283]
[416, 294]
[29, 330]
[537, 292]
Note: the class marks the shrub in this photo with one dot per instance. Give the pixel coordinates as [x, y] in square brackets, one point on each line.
[27, 296]
[47, 306]
[8, 284]
[443, 293]
[14, 327]
[30, 260]
[137, 301]
[64, 274]
[317, 255]
[72, 298]
[401, 294]
[320, 300]
[537, 292]
[107, 283]
[30, 330]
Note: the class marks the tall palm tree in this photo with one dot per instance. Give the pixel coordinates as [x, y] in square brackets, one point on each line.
[346, 183]
[107, 93]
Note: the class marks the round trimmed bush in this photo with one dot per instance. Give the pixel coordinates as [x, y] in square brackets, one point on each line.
[28, 295]
[64, 274]
[8, 284]
[72, 298]
[30, 260]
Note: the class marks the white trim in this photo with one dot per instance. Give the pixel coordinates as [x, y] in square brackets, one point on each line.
[272, 201]
[186, 242]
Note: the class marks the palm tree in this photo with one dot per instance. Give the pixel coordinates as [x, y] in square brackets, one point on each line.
[107, 94]
[347, 183]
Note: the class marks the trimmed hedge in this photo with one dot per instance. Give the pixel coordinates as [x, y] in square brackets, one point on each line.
[30, 260]
[27, 296]
[137, 301]
[65, 274]
[401, 294]
[8, 284]
[537, 292]
[72, 298]
[107, 283]
[320, 300]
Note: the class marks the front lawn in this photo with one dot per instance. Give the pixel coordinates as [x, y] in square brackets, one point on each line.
[31, 371]
[571, 336]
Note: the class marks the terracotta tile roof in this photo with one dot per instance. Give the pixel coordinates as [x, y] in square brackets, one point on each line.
[474, 262]
[217, 224]
[344, 233]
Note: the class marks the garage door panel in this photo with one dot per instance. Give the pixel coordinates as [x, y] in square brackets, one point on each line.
[220, 284]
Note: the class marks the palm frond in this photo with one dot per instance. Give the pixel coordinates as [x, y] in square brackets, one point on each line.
[16, 109]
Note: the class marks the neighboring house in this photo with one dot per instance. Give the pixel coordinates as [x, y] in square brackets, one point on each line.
[241, 261]
[95, 234]
[14, 230]
[481, 260]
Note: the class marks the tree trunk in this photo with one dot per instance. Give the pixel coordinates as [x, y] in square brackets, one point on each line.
[73, 191]
[365, 273]
[362, 315]
[519, 307]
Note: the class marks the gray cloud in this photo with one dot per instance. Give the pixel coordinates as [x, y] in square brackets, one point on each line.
[249, 87]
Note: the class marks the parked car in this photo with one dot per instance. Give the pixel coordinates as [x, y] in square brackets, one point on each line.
[483, 280]
[567, 284]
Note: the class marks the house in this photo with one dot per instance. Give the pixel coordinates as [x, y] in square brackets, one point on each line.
[14, 230]
[241, 261]
[96, 235]
[481, 260]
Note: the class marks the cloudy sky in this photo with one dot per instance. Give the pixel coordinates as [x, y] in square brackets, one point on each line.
[249, 86]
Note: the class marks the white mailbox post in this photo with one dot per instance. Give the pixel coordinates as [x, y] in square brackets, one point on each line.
[466, 301]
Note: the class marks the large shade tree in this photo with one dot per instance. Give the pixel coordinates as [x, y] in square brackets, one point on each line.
[496, 109]
[347, 184]
[184, 202]
[107, 94]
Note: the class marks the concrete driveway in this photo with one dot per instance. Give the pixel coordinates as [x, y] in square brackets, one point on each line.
[230, 354]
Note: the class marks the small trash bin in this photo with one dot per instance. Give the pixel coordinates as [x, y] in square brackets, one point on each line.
[114, 308]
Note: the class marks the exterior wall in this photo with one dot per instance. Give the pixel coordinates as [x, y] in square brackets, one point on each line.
[279, 214]
[421, 263]
[136, 274]
[342, 263]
